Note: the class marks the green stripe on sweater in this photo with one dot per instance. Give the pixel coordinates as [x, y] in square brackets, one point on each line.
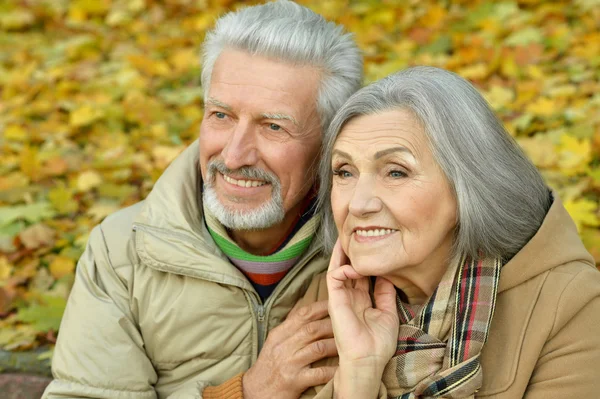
[234, 251]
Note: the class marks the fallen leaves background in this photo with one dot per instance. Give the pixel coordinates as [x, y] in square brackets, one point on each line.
[98, 96]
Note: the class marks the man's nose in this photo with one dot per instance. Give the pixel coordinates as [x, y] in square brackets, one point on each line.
[364, 199]
[240, 149]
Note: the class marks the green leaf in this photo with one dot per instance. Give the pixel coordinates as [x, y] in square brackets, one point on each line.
[524, 37]
[31, 213]
[46, 316]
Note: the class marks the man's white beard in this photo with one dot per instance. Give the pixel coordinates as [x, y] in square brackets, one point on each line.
[266, 215]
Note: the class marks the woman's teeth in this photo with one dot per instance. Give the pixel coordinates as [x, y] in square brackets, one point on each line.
[374, 233]
[244, 183]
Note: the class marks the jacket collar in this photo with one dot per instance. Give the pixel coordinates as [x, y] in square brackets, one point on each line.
[170, 232]
[555, 243]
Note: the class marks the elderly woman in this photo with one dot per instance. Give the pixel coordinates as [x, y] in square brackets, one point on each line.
[456, 272]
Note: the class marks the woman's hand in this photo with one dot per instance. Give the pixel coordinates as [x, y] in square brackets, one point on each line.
[365, 336]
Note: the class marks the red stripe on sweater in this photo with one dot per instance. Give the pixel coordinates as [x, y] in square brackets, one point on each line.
[265, 279]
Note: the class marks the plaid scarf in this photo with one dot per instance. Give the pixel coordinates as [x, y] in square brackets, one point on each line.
[438, 349]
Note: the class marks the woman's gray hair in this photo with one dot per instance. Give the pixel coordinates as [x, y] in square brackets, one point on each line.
[501, 197]
[289, 32]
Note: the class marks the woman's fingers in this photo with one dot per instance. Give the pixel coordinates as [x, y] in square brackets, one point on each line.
[385, 296]
[337, 278]
[338, 257]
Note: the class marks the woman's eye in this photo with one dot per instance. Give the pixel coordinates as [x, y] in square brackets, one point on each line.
[397, 174]
[274, 126]
[344, 174]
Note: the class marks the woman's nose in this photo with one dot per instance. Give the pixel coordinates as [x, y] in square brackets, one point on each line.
[364, 199]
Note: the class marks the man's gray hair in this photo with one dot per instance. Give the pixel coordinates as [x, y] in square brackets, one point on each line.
[289, 32]
[501, 197]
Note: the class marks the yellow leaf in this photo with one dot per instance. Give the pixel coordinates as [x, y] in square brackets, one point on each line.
[13, 180]
[17, 19]
[583, 212]
[79, 10]
[475, 72]
[30, 163]
[100, 210]
[118, 17]
[434, 16]
[160, 131]
[149, 66]
[499, 97]
[16, 133]
[118, 191]
[509, 67]
[183, 60]
[542, 107]
[574, 155]
[84, 115]
[163, 155]
[535, 72]
[591, 240]
[61, 266]
[568, 90]
[5, 269]
[88, 180]
[62, 199]
[540, 149]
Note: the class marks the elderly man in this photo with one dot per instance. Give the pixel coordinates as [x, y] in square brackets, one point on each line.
[175, 296]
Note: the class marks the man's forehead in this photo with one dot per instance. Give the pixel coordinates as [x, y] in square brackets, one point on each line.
[244, 81]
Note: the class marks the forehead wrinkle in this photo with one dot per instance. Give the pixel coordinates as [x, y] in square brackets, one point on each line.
[251, 85]
[413, 140]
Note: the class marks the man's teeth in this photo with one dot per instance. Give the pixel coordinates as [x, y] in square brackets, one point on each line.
[244, 183]
[374, 233]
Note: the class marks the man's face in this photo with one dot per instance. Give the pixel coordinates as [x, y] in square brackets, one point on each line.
[259, 140]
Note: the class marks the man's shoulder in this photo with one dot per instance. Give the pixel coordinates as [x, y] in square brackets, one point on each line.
[117, 232]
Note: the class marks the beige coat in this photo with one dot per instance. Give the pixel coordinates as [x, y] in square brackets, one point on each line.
[157, 311]
[544, 340]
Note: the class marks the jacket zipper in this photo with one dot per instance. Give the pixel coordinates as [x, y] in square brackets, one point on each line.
[260, 324]
[261, 310]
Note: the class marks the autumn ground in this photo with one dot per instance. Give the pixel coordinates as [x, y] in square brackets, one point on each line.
[98, 96]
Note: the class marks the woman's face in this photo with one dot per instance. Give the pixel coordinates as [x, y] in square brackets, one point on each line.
[393, 207]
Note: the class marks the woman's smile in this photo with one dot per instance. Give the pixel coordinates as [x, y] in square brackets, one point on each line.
[372, 234]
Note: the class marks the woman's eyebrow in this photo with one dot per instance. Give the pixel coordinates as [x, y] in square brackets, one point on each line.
[388, 151]
[342, 154]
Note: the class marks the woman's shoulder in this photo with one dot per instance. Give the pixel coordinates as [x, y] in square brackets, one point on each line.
[538, 317]
[559, 292]
[575, 285]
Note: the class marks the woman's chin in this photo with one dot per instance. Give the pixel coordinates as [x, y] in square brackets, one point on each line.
[370, 266]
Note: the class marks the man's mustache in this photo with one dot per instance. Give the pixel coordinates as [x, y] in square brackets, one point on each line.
[249, 172]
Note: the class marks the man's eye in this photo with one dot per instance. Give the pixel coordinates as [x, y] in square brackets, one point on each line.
[220, 115]
[274, 126]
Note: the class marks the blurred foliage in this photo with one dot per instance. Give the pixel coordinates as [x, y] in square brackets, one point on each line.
[98, 96]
